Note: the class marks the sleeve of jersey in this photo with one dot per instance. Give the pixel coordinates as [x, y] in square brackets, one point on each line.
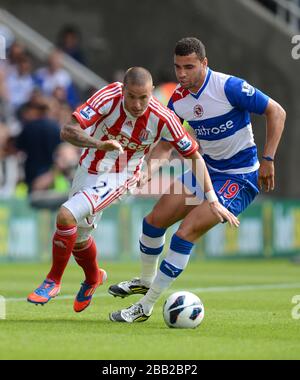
[171, 107]
[86, 115]
[96, 106]
[242, 95]
[175, 134]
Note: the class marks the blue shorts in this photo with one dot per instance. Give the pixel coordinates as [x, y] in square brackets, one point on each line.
[235, 191]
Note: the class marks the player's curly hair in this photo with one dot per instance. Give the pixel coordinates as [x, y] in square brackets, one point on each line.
[190, 45]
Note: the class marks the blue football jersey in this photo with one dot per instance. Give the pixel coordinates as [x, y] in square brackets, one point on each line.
[220, 116]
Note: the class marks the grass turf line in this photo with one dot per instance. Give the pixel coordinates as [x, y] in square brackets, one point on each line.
[252, 324]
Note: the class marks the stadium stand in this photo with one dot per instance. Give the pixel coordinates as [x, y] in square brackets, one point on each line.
[287, 11]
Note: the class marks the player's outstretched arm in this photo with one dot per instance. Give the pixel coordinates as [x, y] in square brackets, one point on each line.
[276, 116]
[73, 134]
[203, 178]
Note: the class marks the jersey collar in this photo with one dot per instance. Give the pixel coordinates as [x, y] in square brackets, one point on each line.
[202, 88]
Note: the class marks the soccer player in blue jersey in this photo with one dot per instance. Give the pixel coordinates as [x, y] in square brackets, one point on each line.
[218, 108]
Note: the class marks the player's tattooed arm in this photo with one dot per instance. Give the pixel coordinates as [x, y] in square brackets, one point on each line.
[73, 133]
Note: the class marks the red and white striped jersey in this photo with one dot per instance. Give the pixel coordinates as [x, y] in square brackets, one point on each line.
[108, 119]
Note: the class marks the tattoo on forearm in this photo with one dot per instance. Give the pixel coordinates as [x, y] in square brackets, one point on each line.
[77, 137]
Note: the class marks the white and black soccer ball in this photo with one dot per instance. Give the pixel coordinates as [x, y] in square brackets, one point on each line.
[183, 310]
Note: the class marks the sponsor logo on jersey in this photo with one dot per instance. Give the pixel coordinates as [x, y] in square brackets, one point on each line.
[125, 141]
[202, 131]
[248, 89]
[184, 144]
[198, 110]
[87, 113]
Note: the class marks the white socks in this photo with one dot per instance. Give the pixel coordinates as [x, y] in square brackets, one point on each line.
[152, 243]
[170, 268]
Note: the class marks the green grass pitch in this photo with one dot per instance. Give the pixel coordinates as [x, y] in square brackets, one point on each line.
[248, 315]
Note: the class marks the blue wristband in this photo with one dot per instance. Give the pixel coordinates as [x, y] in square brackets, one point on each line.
[268, 158]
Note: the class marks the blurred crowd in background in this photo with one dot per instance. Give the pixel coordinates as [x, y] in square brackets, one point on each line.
[36, 100]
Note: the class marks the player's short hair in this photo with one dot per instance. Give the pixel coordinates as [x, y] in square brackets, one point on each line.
[190, 45]
[137, 76]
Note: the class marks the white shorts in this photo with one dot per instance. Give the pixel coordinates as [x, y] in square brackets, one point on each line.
[91, 194]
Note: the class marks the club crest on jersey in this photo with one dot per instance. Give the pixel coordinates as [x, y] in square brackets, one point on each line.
[144, 134]
[87, 113]
[198, 110]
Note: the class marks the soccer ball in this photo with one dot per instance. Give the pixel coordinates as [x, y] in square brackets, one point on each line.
[183, 310]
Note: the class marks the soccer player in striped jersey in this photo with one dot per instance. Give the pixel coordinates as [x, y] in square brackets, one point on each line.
[218, 108]
[123, 121]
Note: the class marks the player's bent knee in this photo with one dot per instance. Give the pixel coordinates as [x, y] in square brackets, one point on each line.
[154, 221]
[183, 233]
[65, 217]
[189, 233]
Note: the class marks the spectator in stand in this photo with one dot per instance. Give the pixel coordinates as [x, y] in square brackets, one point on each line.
[54, 75]
[3, 97]
[3, 139]
[8, 67]
[9, 164]
[69, 41]
[39, 139]
[15, 52]
[20, 83]
[60, 176]
[60, 94]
